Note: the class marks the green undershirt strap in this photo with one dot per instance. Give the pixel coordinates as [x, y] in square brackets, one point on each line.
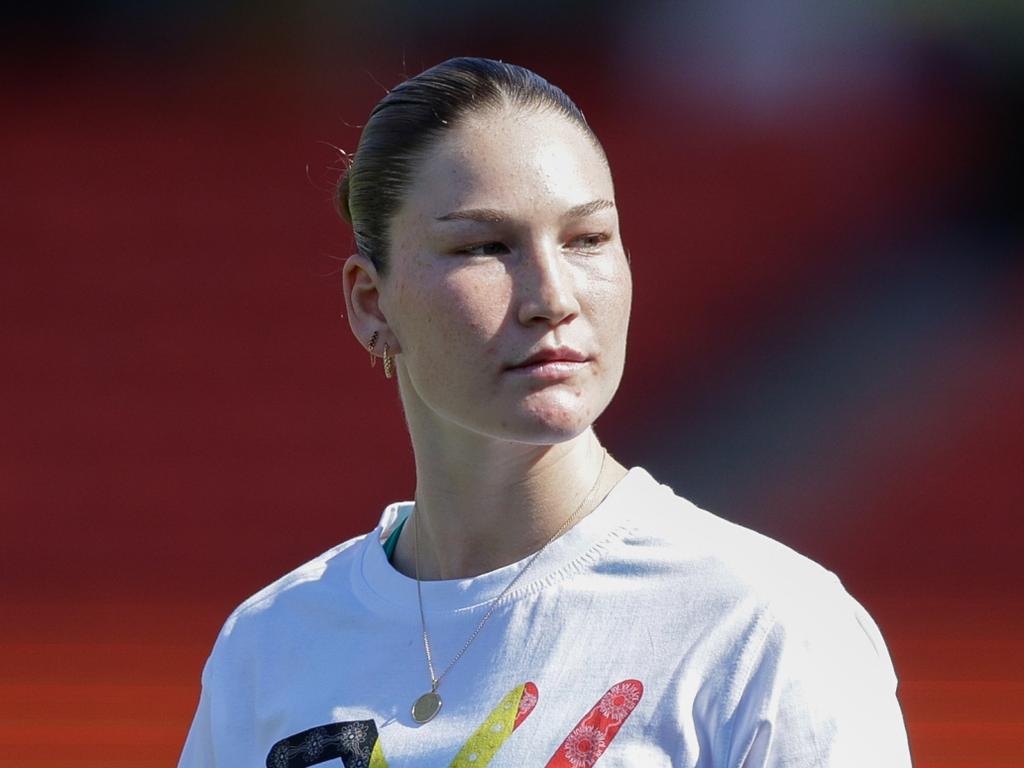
[392, 541]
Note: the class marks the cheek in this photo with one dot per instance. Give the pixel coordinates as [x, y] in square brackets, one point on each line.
[450, 315]
[610, 296]
[474, 301]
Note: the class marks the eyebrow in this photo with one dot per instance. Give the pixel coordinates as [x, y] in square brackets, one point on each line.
[586, 209]
[489, 215]
[494, 216]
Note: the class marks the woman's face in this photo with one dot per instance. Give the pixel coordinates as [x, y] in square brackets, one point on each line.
[506, 252]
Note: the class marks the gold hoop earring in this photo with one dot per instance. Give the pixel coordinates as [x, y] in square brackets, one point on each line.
[388, 365]
[369, 348]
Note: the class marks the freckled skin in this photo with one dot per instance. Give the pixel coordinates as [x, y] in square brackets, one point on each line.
[461, 318]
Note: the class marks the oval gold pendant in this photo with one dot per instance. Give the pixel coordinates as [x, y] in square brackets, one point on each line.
[426, 706]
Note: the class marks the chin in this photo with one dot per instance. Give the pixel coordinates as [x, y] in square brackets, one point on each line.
[550, 423]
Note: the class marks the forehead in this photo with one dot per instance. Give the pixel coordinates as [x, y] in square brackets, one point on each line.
[523, 161]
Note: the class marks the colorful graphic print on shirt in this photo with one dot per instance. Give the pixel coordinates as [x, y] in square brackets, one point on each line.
[357, 744]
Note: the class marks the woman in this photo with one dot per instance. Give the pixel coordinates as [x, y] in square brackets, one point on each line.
[538, 603]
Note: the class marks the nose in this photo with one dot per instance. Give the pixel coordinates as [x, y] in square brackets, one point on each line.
[547, 287]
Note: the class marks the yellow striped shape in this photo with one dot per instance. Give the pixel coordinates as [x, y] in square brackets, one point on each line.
[489, 737]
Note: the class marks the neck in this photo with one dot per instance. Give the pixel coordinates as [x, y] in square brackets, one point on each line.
[500, 502]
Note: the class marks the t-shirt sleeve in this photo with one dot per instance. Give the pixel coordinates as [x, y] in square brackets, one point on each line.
[819, 690]
[198, 751]
[219, 709]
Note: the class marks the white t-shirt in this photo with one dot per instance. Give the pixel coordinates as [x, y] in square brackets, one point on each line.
[651, 634]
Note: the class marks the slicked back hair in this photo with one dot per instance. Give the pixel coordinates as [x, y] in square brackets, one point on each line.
[405, 124]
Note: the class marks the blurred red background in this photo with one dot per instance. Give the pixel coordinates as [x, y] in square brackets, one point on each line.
[823, 211]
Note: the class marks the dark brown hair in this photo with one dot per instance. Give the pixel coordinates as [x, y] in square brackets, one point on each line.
[406, 122]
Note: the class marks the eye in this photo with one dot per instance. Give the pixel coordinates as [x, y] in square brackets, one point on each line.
[589, 242]
[483, 249]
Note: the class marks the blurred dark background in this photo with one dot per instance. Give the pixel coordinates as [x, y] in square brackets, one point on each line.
[823, 206]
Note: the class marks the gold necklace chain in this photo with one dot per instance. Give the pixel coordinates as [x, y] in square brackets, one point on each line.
[429, 704]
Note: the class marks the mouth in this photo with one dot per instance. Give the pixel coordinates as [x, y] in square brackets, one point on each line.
[552, 364]
[554, 355]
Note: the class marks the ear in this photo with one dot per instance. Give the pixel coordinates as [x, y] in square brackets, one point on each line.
[361, 285]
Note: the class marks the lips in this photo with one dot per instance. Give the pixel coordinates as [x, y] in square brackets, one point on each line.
[552, 355]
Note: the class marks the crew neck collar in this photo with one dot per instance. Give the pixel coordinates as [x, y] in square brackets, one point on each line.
[378, 580]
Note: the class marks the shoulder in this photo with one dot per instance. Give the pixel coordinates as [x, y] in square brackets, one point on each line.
[741, 563]
[804, 660]
[763, 590]
[300, 593]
